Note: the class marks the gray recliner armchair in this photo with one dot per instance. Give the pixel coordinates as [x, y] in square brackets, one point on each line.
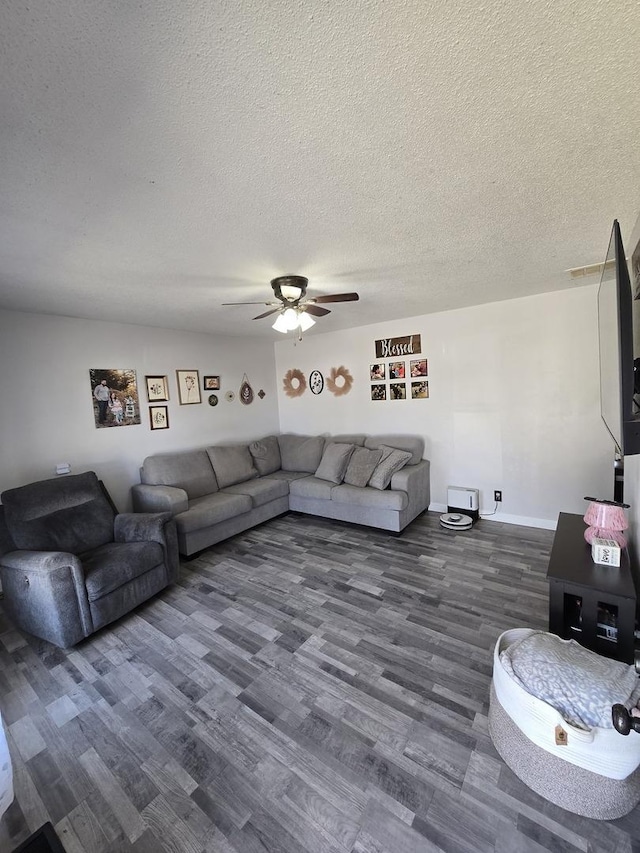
[72, 564]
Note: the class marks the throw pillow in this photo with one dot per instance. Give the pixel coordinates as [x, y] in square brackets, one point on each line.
[232, 464]
[334, 462]
[266, 455]
[392, 460]
[361, 466]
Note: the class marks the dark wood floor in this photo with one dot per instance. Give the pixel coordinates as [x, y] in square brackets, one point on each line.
[308, 687]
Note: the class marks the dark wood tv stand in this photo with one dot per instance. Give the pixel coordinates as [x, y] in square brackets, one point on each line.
[593, 604]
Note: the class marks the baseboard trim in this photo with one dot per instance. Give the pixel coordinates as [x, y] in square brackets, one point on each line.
[505, 518]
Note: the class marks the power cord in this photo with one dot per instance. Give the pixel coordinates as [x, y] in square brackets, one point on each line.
[487, 514]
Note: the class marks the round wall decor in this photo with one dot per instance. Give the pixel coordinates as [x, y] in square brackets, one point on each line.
[229, 396]
[339, 381]
[316, 382]
[213, 400]
[294, 384]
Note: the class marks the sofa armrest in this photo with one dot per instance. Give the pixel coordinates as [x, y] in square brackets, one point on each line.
[414, 480]
[148, 498]
[151, 527]
[45, 594]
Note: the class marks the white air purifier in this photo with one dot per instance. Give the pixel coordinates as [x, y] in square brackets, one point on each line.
[466, 501]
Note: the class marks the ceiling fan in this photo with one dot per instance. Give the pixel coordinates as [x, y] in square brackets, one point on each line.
[294, 307]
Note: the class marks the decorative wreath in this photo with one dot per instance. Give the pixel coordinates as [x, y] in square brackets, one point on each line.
[339, 373]
[294, 383]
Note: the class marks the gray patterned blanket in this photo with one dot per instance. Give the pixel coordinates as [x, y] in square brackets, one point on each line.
[580, 684]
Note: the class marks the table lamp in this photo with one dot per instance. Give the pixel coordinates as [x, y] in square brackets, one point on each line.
[606, 520]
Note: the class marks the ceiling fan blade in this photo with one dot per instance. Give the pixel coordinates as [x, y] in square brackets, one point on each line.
[267, 313]
[315, 310]
[248, 303]
[336, 297]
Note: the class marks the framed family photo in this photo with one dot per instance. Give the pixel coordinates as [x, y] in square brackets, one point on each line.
[157, 389]
[159, 417]
[114, 395]
[211, 383]
[188, 387]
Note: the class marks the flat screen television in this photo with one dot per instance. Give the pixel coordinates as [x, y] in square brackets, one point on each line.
[615, 332]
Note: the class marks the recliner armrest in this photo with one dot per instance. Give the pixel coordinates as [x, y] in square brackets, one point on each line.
[45, 593]
[151, 527]
[150, 498]
[140, 526]
[42, 561]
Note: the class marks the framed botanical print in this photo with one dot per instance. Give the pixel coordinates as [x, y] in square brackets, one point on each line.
[157, 389]
[159, 417]
[188, 387]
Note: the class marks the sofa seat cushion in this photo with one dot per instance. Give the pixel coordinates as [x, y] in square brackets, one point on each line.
[211, 509]
[368, 497]
[189, 470]
[260, 491]
[232, 464]
[110, 566]
[300, 452]
[289, 476]
[311, 487]
[266, 455]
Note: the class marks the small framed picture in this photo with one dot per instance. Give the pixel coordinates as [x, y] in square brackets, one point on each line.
[378, 392]
[188, 387]
[397, 391]
[418, 367]
[396, 370]
[157, 389]
[377, 372]
[419, 390]
[159, 417]
[211, 383]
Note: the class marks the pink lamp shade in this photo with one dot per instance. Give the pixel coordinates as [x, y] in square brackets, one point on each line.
[606, 521]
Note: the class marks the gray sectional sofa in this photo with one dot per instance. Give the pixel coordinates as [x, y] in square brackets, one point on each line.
[216, 492]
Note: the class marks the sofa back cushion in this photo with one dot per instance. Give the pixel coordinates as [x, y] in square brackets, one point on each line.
[334, 462]
[266, 455]
[190, 470]
[70, 514]
[356, 438]
[300, 452]
[232, 464]
[361, 466]
[412, 443]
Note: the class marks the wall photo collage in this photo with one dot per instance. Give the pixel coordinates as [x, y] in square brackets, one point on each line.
[116, 402]
[397, 379]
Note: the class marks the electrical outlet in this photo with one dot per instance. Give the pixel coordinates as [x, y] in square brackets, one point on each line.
[497, 496]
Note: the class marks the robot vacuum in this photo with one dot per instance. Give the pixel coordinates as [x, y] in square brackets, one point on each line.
[456, 521]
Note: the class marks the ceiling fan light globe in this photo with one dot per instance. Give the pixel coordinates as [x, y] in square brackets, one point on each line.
[280, 325]
[290, 292]
[305, 321]
[290, 317]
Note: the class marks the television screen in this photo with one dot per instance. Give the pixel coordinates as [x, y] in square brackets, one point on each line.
[609, 338]
[615, 331]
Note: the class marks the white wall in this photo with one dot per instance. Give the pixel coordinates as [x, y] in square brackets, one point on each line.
[514, 400]
[46, 413]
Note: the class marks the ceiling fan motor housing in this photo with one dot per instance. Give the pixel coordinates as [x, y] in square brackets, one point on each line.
[290, 288]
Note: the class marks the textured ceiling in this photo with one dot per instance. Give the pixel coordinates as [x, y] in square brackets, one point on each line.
[158, 158]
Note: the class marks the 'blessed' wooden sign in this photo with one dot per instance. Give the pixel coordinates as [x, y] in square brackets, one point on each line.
[392, 347]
